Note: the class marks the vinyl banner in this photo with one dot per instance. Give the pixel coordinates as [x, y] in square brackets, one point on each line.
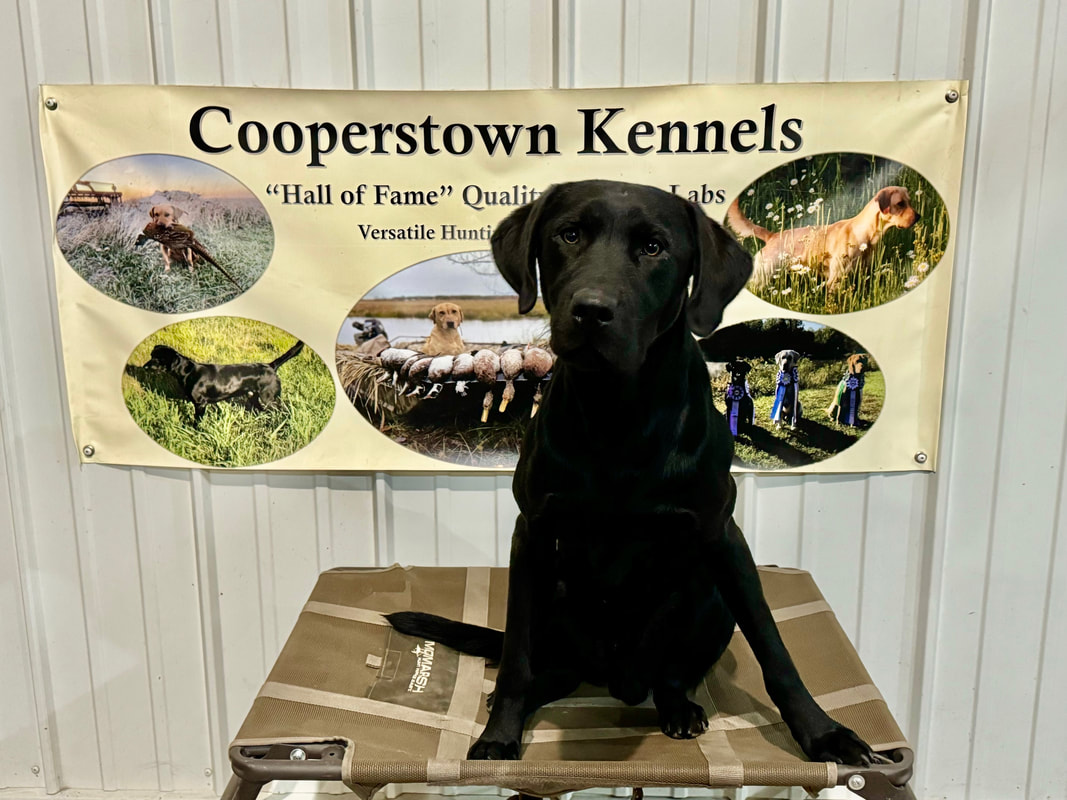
[302, 280]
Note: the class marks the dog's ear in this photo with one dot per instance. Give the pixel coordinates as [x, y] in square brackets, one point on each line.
[514, 244]
[885, 199]
[178, 213]
[460, 310]
[153, 211]
[721, 268]
[433, 314]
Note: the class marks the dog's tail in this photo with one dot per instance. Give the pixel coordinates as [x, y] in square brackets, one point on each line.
[743, 226]
[201, 251]
[292, 351]
[473, 640]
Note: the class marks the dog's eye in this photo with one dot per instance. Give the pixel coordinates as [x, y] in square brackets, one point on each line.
[570, 235]
[651, 248]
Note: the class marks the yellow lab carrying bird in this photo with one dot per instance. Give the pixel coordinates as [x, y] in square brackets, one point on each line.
[182, 244]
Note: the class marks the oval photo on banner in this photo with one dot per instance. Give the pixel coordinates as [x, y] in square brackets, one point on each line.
[839, 232]
[164, 233]
[228, 391]
[794, 392]
[438, 358]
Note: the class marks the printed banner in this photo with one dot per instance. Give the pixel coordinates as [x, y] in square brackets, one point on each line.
[301, 280]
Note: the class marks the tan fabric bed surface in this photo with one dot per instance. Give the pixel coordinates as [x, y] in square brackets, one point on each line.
[410, 709]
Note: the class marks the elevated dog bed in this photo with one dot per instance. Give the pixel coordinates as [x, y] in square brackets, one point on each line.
[350, 699]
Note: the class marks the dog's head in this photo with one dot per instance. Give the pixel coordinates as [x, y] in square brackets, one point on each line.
[738, 370]
[786, 359]
[858, 363]
[895, 208]
[368, 329]
[164, 357]
[165, 215]
[446, 315]
[615, 263]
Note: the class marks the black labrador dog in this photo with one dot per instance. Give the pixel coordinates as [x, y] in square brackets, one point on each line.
[255, 386]
[627, 569]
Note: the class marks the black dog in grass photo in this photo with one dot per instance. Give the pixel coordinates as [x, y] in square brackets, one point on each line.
[627, 569]
[255, 386]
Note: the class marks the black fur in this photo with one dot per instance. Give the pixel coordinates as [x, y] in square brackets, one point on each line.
[473, 640]
[627, 569]
[254, 386]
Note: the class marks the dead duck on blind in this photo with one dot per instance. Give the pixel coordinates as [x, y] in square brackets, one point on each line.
[440, 370]
[486, 367]
[417, 374]
[392, 359]
[536, 364]
[405, 373]
[463, 372]
[511, 366]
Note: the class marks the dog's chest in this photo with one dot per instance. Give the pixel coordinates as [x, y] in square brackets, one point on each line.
[615, 558]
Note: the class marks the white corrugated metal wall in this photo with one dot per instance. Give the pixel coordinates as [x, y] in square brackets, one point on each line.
[139, 609]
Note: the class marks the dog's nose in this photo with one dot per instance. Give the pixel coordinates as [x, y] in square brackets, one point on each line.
[591, 309]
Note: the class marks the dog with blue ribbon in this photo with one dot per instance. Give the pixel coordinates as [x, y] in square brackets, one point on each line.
[845, 408]
[740, 412]
[787, 409]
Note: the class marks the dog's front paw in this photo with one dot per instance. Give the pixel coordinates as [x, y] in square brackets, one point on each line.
[684, 721]
[839, 744]
[483, 750]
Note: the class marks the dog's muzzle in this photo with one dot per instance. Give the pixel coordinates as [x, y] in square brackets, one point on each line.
[591, 310]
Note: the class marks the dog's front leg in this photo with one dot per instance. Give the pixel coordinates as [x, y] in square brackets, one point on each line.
[820, 737]
[503, 732]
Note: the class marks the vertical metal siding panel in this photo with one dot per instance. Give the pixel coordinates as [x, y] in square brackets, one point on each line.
[292, 540]
[320, 44]
[466, 520]
[832, 535]
[506, 512]
[18, 716]
[186, 42]
[658, 41]
[254, 44]
[169, 585]
[863, 56]
[889, 603]
[596, 47]
[350, 539]
[117, 648]
[1030, 453]
[232, 537]
[774, 529]
[803, 47]
[725, 39]
[933, 39]
[455, 44]
[391, 44]
[51, 43]
[120, 42]
[1048, 769]
[521, 44]
[413, 519]
[1003, 115]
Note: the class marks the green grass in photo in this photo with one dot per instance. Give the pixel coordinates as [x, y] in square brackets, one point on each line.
[816, 437]
[823, 189]
[229, 435]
